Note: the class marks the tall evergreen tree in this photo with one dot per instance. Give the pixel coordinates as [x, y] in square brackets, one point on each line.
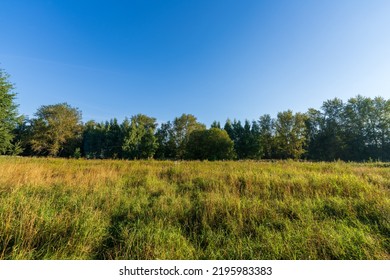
[166, 146]
[93, 137]
[238, 135]
[216, 124]
[228, 127]
[114, 139]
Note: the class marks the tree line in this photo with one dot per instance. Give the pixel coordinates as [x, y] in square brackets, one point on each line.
[356, 130]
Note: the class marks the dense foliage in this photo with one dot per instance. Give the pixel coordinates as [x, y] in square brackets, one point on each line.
[356, 130]
[210, 144]
[56, 130]
[8, 115]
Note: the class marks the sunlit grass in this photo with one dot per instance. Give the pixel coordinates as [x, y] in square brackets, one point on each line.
[79, 209]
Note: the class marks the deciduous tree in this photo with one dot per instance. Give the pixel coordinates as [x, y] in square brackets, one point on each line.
[266, 127]
[181, 130]
[140, 142]
[56, 130]
[290, 135]
[210, 144]
[8, 113]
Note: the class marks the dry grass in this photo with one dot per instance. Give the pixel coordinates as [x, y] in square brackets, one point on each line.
[78, 209]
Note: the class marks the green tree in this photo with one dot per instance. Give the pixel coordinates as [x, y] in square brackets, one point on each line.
[94, 140]
[104, 140]
[166, 146]
[228, 127]
[332, 143]
[237, 137]
[266, 136]
[181, 130]
[114, 139]
[314, 124]
[210, 144]
[8, 114]
[140, 142]
[56, 130]
[356, 116]
[246, 138]
[216, 124]
[366, 125]
[290, 135]
[255, 149]
[23, 132]
[379, 131]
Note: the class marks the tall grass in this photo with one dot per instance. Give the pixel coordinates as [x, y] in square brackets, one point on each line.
[78, 209]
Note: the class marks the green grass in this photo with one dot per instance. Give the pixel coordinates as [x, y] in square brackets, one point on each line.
[79, 209]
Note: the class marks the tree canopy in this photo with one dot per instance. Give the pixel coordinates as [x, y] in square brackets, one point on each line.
[56, 130]
[354, 130]
[358, 130]
[140, 141]
[210, 144]
[8, 114]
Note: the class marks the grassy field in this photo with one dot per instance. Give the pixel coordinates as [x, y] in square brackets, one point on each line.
[79, 209]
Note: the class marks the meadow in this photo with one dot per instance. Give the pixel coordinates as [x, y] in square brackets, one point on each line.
[105, 209]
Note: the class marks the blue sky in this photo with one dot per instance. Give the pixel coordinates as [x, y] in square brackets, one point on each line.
[214, 59]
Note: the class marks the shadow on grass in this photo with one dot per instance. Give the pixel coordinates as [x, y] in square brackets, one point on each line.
[113, 240]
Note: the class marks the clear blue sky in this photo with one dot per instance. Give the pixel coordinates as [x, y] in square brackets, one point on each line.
[211, 58]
